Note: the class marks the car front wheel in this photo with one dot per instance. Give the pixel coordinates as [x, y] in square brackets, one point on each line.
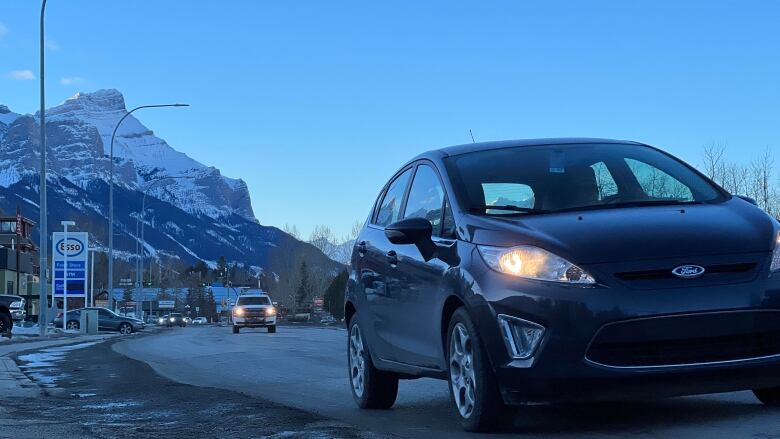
[770, 397]
[371, 388]
[5, 326]
[272, 329]
[235, 329]
[473, 387]
[72, 325]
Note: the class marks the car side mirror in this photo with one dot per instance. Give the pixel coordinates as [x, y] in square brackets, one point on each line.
[748, 199]
[413, 231]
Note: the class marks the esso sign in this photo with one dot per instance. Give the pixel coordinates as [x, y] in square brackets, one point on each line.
[72, 248]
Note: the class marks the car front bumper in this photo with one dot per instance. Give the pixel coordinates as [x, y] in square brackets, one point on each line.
[249, 322]
[618, 342]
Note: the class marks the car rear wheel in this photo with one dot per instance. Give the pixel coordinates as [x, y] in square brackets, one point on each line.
[72, 325]
[770, 397]
[5, 326]
[473, 388]
[371, 388]
[272, 329]
[125, 328]
[235, 329]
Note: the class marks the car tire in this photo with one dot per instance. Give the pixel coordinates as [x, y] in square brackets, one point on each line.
[6, 325]
[125, 328]
[474, 391]
[272, 329]
[73, 325]
[371, 388]
[235, 329]
[770, 396]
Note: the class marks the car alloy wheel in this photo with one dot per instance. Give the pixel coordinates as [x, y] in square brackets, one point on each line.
[72, 325]
[125, 328]
[357, 364]
[462, 376]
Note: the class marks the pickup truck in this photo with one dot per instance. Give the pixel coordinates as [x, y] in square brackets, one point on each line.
[11, 308]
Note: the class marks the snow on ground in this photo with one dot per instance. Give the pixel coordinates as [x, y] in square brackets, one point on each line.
[49, 357]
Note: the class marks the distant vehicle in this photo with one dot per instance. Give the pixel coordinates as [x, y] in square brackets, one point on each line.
[175, 319]
[254, 310]
[187, 320]
[552, 270]
[328, 320]
[199, 321]
[8, 305]
[163, 320]
[16, 307]
[107, 321]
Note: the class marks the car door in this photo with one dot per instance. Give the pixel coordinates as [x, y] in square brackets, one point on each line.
[106, 320]
[418, 284]
[375, 271]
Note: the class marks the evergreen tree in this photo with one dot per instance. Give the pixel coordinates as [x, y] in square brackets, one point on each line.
[304, 287]
[334, 295]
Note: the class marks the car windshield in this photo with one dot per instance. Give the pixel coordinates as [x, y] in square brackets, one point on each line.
[253, 300]
[555, 178]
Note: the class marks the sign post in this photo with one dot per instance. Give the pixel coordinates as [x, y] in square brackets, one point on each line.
[69, 257]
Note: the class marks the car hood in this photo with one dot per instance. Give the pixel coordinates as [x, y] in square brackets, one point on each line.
[636, 233]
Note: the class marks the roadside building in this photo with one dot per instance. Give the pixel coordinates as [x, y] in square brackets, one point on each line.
[19, 268]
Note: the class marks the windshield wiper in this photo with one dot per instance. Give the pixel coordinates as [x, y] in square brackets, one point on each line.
[635, 203]
[506, 207]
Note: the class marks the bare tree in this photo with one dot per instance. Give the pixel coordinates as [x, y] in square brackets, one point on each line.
[714, 163]
[292, 230]
[762, 181]
[324, 239]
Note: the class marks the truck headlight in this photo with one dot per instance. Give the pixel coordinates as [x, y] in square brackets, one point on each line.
[270, 312]
[238, 312]
[16, 304]
[776, 255]
[534, 263]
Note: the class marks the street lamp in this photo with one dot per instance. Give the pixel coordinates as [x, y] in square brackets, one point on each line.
[43, 302]
[140, 256]
[111, 199]
[65, 225]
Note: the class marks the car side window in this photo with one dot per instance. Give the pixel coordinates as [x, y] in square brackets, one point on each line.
[658, 184]
[390, 208]
[606, 183]
[103, 313]
[426, 197]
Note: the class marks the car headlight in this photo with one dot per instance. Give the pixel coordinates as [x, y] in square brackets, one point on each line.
[534, 263]
[270, 311]
[238, 312]
[172, 319]
[776, 256]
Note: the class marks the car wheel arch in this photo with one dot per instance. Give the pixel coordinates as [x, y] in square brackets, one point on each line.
[349, 311]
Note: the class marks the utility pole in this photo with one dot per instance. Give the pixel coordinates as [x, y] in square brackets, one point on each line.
[43, 302]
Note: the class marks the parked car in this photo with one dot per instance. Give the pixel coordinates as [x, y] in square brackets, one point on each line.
[15, 307]
[107, 321]
[199, 321]
[9, 309]
[254, 311]
[564, 269]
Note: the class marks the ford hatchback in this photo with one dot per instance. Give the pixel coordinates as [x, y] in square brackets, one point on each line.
[561, 270]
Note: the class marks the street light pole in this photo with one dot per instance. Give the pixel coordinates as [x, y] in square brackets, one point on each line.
[111, 199]
[143, 222]
[43, 302]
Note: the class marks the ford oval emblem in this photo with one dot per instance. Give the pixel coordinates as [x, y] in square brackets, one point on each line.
[688, 271]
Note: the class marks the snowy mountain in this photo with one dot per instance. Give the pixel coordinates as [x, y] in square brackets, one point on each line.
[201, 217]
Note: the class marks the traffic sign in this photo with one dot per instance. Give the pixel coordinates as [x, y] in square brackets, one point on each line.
[75, 251]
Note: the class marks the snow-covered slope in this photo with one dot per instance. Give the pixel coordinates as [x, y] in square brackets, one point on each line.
[79, 135]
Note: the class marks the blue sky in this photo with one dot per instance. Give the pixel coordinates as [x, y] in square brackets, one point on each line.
[316, 103]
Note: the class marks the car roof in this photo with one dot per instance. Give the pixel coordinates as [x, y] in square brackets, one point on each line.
[499, 144]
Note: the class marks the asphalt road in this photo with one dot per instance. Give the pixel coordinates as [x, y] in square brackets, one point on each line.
[306, 368]
[88, 391]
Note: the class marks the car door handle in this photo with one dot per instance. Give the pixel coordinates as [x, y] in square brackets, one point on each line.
[362, 248]
[392, 258]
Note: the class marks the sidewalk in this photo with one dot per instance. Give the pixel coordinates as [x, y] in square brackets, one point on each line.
[15, 384]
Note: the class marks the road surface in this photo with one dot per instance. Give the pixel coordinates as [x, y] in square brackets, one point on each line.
[306, 368]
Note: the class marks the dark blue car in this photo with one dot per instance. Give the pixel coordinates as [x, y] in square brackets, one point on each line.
[562, 270]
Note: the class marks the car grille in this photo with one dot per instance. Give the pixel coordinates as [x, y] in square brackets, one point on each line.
[714, 274]
[250, 312]
[689, 339]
